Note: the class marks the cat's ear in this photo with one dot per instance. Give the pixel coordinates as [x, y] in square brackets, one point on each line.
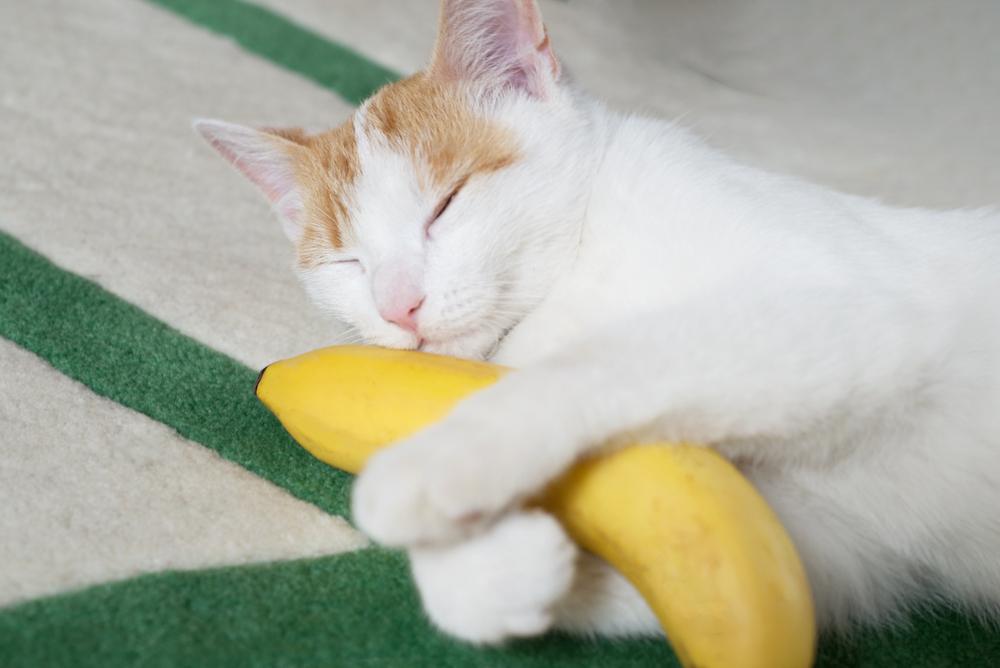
[498, 43]
[266, 158]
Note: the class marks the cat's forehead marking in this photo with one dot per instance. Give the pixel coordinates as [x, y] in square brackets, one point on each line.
[432, 122]
[327, 168]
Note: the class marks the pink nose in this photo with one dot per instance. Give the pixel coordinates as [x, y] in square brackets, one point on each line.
[403, 313]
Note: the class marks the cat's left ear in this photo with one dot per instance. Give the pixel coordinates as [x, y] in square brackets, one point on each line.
[266, 157]
[501, 44]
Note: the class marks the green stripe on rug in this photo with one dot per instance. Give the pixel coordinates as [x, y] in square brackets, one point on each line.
[124, 354]
[285, 43]
[360, 609]
[355, 609]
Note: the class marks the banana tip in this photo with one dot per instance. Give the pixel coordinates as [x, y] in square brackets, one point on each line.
[260, 377]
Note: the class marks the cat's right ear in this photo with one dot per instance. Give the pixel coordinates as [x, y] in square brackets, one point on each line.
[266, 158]
[500, 44]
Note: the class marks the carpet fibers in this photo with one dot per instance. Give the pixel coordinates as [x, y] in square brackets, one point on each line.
[356, 608]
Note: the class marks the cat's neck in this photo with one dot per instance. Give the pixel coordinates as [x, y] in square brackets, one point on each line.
[580, 130]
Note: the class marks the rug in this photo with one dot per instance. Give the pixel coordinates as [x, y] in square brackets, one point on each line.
[151, 511]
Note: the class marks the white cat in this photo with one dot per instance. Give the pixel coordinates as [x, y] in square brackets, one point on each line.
[844, 354]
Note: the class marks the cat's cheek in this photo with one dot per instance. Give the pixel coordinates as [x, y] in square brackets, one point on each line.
[341, 292]
[323, 287]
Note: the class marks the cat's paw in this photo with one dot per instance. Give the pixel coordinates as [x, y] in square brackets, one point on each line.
[499, 584]
[443, 484]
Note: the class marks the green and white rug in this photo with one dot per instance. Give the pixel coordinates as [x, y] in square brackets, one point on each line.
[151, 511]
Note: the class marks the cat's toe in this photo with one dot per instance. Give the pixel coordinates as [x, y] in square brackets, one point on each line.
[500, 584]
[391, 503]
[437, 487]
[401, 499]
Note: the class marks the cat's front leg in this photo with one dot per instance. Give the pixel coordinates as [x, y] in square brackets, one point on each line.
[453, 478]
[522, 577]
[752, 364]
[507, 581]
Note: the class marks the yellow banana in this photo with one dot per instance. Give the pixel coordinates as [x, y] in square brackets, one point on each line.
[680, 522]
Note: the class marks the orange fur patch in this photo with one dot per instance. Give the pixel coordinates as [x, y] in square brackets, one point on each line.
[420, 116]
[428, 119]
[326, 166]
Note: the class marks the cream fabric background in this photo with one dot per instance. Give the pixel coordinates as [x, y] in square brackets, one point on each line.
[91, 491]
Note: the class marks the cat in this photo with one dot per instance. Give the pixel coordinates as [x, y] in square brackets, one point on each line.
[844, 354]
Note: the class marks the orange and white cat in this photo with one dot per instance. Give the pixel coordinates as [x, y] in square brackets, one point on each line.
[844, 354]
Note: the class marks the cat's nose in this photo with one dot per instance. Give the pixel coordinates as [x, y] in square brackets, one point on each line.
[403, 313]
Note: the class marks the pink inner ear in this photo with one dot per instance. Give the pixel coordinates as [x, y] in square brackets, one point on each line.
[261, 158]
[534, 50]
[497, 42]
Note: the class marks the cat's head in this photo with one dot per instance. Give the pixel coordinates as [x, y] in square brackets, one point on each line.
[440, 213]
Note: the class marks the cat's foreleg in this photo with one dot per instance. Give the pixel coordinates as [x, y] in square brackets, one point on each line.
[748, 365]
[521, 577]
[506, 581]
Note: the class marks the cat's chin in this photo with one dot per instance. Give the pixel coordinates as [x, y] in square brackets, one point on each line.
[475, 345]
[479, 345]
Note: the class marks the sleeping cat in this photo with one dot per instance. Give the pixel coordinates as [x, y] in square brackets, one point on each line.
[844, 354]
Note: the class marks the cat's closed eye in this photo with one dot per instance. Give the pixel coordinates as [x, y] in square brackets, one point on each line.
[443, 206]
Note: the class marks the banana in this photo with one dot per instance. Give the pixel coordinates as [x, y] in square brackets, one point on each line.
[679, 521]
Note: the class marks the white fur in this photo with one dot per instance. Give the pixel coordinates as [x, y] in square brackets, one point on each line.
[844, 354]
[490, 258]
[504, 582]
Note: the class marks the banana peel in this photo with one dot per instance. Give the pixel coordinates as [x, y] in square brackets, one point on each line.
[679, 521]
